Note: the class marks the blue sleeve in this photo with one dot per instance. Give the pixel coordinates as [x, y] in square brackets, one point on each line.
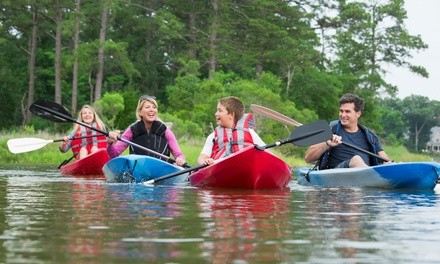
[377, 141]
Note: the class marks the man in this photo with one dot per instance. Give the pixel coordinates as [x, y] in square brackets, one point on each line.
[334, 154]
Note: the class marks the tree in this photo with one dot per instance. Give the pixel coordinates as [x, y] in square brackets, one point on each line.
[370, 36]
[420, 114]
[102, 33]
[393, 122]
[75, 57]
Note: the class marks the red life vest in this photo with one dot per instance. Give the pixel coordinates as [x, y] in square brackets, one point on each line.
[99, 140]
[228, 141]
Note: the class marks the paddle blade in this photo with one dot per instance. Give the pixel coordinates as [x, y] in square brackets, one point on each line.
[269, 113]
[46, 108]
[20, 145]
[311, 133]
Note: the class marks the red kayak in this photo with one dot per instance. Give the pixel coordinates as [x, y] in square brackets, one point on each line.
[248, 168]
[90, 165]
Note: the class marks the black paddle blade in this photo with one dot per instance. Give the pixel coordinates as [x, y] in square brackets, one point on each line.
[46, 109]
[311, 133]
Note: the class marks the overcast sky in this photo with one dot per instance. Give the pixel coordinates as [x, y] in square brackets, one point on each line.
[423, 19]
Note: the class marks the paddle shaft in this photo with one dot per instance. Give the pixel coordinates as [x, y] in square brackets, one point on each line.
[291, 139]
[174, 174]
[177, 173]
[73, 138]
[69, 118]
[289, 121]
[311, 133]
[366, 152]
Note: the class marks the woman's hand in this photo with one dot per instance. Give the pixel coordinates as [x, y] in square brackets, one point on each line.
[180, 161]
[113, 136]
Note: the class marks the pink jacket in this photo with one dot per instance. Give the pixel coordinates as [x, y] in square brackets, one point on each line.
[118, 147]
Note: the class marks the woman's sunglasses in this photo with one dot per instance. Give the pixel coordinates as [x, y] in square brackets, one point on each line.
[146, 97]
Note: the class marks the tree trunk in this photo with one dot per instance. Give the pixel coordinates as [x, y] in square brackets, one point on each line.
[58, 19]
[192, 32]
[289, 76]
[101, 55]
[75, 59]
[213, 40]
[31, 63]
[259, 68]
[417, 132]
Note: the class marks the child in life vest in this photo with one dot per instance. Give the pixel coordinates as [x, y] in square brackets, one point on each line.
[83, 140]
[234, 131]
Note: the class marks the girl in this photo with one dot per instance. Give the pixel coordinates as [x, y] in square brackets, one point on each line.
[82, 140]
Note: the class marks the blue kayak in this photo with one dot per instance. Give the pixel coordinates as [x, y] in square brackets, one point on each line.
[404, 175]
[140, 168]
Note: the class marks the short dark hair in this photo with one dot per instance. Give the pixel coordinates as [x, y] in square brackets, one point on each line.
[351, 98]
[233, 105]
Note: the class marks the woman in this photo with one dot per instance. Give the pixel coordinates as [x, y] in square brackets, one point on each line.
[82, 140]
[148, 132]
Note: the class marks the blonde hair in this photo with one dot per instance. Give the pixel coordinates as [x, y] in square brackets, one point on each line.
[233, 105]
[141, 102]
[96, 118]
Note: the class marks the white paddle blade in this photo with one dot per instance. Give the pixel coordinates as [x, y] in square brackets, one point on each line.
[20, 145]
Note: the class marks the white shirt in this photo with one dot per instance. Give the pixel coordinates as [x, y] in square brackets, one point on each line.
[209, 143]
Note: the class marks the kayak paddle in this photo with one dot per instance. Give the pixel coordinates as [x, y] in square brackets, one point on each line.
[20, 145]
[305, 135]
[269, 113]
[53, 111]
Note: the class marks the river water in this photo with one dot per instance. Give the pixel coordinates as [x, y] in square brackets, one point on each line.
[50, 218]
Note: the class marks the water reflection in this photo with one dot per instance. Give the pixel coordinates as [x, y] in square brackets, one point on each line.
[358, 223]
[242, 224]
[48, 218]
[126, 220]
[88, 213]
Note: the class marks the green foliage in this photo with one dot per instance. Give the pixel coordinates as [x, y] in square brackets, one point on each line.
[29, 129]
[318, 91]
[393, 124]
[189, 55]
[182, 128]
[108, 107]
[370, 37]
[128, 114]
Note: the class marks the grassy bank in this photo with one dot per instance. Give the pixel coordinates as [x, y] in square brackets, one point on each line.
[51, 156]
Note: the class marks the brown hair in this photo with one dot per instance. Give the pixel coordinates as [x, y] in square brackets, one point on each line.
[233, 105]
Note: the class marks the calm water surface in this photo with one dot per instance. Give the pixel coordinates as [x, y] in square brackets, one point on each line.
[50, 218]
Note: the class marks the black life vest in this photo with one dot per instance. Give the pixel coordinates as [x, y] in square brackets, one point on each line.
[153, 139]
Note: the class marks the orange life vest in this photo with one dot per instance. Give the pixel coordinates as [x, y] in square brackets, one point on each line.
[228, 141]
[99, 140]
